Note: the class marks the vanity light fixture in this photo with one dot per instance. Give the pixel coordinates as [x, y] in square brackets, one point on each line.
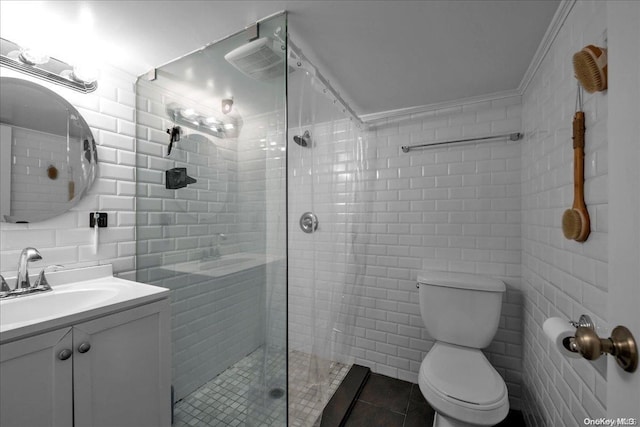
[190, 118]
[35, 63]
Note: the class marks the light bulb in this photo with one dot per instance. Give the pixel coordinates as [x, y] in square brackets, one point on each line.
[85, 73]
[33, 57]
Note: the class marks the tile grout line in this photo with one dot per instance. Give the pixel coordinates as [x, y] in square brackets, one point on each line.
[406, 410]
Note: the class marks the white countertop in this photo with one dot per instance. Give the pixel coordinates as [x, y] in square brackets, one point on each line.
[77, 295]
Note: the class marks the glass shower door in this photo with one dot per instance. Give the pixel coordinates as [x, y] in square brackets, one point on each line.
[211, 223]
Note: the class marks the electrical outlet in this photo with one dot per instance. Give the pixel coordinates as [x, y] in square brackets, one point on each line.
[100, 217]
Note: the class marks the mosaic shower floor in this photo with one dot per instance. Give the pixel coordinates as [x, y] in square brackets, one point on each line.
[309, 387]
[234, 398]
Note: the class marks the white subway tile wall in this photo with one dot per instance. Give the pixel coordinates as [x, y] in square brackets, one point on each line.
[261, 216]
[67, 239]
[453, 208]
[215, 323]
[33, 153]
[562, 277]
[325, 269]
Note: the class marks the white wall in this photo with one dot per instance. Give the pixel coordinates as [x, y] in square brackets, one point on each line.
[624, 197]
[179, 225]
[31, 189]
[323, 266]
[454, 208]
[66, 239]
[562, 277]
[261, 216]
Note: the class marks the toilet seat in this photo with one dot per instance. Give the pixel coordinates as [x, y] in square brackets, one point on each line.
[459, 382]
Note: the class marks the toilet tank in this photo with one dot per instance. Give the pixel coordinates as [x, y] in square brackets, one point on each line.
[459, 308]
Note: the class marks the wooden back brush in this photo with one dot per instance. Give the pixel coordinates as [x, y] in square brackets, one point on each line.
[575, 221]
[590, 67]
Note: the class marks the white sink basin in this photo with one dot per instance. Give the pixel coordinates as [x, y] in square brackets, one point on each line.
[75, 295]
[36, 307]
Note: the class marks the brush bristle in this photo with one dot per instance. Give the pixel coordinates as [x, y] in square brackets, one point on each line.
[571, 224]
[587, 72]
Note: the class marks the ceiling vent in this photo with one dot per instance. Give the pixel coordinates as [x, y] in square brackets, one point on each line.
[261, 59]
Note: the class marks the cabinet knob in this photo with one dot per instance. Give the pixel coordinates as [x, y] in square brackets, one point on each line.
[84, 347]
[64, 354]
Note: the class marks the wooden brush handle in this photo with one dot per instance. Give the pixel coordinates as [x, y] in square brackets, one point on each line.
[578, 161]
[578, 130]
[578, 176]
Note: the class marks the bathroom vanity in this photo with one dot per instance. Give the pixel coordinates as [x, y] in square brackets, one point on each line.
[94, 351]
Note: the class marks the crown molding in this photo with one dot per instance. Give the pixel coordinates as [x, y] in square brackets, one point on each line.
[421, 109]
[545, 44]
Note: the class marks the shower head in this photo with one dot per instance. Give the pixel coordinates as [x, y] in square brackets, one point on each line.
[303, 140]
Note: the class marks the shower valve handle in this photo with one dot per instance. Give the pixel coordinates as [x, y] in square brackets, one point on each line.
[308, 222]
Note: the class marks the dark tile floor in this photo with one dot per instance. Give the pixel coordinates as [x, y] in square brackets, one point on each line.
[388, 402]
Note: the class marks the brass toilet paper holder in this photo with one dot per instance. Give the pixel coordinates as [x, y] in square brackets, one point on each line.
[620, 344]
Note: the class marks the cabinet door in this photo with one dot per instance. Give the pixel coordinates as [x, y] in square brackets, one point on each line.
[36, 381]
[122, 370]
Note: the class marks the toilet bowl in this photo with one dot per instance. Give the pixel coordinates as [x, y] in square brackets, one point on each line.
[461, 312]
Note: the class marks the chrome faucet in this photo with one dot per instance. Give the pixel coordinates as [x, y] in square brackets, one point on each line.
[23, 286]
[26, 256]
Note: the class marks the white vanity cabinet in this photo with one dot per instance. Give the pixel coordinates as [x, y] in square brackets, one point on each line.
[36, 386]
[115, 372]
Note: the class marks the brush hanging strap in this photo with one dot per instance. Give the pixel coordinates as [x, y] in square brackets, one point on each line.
[578, 121]
[579, 97]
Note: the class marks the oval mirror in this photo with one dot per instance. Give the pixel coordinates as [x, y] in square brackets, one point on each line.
[48, 157]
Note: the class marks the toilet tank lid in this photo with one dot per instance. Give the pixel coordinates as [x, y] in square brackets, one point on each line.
[461, 281]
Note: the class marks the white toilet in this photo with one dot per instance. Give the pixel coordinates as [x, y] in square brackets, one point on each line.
[461, 312]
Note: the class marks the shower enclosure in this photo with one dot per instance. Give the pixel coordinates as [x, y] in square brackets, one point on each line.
[262, 312]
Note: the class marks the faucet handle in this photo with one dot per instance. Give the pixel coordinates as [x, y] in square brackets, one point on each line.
[4, 287]
[41, 281]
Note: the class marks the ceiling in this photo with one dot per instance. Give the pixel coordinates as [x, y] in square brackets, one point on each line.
[380, 55]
